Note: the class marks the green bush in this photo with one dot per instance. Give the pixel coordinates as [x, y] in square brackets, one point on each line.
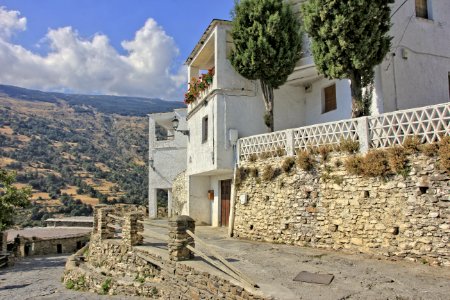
[70, 284]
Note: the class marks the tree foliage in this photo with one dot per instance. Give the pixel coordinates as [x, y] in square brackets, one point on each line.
[11, 198]
[267, 39]
[349, 38]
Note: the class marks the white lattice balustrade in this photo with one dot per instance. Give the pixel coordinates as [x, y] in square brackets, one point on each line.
[427, 123]
[257, 144]
[326, 133]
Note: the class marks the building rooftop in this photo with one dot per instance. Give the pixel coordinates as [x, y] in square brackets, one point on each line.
[204, 37]
[71, 219]
[48, 233]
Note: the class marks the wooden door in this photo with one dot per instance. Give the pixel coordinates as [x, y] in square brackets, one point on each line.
[225, 196]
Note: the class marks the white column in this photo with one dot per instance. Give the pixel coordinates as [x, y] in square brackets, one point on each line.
[169, 203]
[220, 57]
[363, 133]
[290, 142]
[152, 203]
[377, 105]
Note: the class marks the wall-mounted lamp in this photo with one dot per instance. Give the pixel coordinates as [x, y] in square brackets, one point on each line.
[175, 123]
[151, 163]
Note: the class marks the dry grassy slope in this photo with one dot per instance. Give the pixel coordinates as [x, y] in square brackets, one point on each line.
[112, 144]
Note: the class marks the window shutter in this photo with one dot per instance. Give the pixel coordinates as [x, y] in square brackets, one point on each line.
[330, 98]
[422, 9]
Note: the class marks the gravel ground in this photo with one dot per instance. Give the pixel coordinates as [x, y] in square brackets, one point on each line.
[40, 278]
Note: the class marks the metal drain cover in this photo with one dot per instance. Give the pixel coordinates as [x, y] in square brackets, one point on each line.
[314, 277]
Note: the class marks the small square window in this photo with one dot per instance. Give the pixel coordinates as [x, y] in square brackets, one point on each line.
[204, 129]
[422, 9]
[329, 98]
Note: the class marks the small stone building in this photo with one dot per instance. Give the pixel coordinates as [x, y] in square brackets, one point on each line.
[47, 241]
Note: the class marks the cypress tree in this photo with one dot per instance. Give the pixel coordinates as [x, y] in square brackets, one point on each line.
[267, 39]
[349, 38]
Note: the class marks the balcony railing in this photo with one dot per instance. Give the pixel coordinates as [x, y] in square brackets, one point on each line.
[428, 123]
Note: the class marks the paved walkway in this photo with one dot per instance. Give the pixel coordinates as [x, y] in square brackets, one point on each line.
[274, 266]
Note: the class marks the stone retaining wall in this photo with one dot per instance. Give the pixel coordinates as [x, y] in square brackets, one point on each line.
[118, 266]
[116, 270]
[328, 208]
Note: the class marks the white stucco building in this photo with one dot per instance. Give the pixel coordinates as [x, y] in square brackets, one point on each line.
[167, 155]
[416, 72]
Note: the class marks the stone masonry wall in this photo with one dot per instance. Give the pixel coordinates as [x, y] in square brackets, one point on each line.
[328, 208]
[121, 271]
[179, 193]
[121, 266]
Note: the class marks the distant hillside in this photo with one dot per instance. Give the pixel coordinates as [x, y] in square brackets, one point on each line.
[75, 151]
[125, 106]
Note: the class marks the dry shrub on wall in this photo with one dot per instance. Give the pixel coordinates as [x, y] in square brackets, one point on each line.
[429, 150]
[241, 175]
[305, 160]
[287, 164]
[375, 163]
[253, 172]
[268, 173]
[253, 157]
[412, 144]
[324, 151]
[444, 153]
[348, 145]
[280, 152]
[354, 165]
[265, 155]
[398, 161]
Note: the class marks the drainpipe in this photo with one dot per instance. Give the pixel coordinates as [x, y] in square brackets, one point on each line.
[395, 82]
[233, 193]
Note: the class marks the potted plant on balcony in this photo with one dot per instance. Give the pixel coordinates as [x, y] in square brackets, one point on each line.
[198, 85]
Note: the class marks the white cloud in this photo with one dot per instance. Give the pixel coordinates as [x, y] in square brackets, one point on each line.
[93, 65]
[10, 21]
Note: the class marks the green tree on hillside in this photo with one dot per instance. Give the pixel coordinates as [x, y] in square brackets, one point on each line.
[11, 198]
[267, 39]
[349, 38]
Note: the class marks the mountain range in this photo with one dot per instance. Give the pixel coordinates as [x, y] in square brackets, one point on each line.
[76, 150]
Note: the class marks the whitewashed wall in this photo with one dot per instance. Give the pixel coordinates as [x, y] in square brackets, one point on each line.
[422, 78]
[169, 158]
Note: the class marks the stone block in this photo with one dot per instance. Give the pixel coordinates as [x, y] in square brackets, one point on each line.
[356, 241]
[180, 239]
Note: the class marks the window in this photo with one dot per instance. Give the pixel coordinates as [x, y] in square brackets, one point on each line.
[204, 129]
[422, 9]
[329, 98]
[449, 85]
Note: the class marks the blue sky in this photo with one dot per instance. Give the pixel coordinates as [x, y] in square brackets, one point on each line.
[89, 46]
